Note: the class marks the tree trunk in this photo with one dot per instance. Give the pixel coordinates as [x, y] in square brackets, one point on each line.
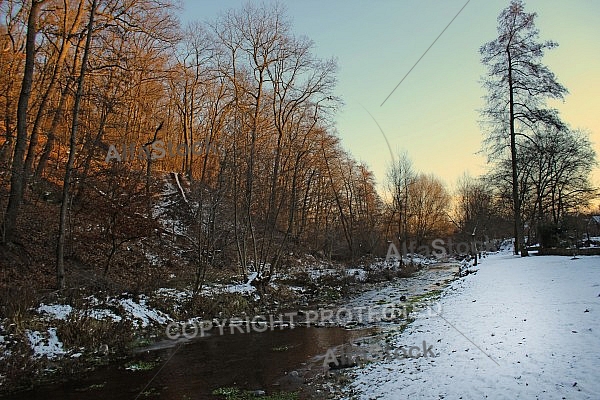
[513, 153]
[60, 266]
[64, 50]
[17, 177]
[51, 134]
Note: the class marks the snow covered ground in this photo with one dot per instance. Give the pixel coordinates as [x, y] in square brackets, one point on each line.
[518, 328]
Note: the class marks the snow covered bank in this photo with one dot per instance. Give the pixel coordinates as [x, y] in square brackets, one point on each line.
[519, 328]
[135, 310]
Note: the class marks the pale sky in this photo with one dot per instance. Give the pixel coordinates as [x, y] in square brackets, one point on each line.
[433, 115]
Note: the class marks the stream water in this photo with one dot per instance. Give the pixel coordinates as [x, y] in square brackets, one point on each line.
[251, 361]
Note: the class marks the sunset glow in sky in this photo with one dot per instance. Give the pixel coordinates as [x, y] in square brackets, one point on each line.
[433, 115]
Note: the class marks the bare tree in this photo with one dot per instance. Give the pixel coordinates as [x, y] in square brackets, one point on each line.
[518, 85]
[428, 205]
[17, 179]
[71, 24]
[474, 207]
[12, 42]
[400, 176]
[60, 248]
[554, 176]
[281, 93]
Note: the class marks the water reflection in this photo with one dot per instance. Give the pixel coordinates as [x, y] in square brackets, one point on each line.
[253, 361]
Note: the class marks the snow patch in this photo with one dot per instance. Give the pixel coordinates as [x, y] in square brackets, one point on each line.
[45, 344]
[141, 313]
[358, 273]
[103, 314]
[56, 311]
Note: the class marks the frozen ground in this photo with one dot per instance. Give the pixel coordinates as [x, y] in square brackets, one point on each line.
[518, 328]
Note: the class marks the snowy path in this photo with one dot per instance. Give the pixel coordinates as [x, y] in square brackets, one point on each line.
[528, 314]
